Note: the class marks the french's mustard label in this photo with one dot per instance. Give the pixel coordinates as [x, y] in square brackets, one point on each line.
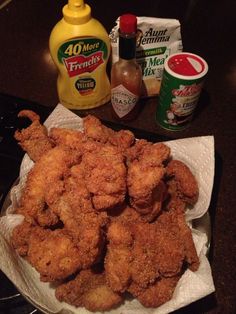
[82, 55]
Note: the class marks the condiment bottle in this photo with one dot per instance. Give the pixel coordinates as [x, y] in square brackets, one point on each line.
[126, 73]
[80, 48]
[181, 86]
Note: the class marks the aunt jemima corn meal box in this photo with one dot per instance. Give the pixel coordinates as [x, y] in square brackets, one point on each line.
[156, 40]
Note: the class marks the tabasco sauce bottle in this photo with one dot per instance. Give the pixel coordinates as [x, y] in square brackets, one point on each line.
[126, 73]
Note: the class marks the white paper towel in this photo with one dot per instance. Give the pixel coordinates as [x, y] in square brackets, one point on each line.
[197, 153]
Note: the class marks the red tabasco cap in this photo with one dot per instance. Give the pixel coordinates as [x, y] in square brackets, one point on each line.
[128, 23]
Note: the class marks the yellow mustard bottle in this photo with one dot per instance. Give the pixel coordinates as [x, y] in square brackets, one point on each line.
[80, 48]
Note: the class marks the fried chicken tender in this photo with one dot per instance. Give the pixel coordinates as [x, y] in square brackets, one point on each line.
[53, 253]
[20, 237]
[34, 139]
[190, 249]
[59, 253]
[173, 198]
[174, 220]
[94, 129]
[140, 252]
[48, 170]
[73, 190]
[89, 289]
[157, 251]
[141, 256]
[135, 151]
[145, 187]
[67, 137]
[72, 204]
[156, 294]
[74, 140]
[125, 213]
[149, 153]
[186, 183]
[85, 230]
[105, 177]
[159, 195]
[122, 139]
[119, 256]
[155, 154]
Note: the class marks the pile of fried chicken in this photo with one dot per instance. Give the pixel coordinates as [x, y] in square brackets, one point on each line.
[104, 214]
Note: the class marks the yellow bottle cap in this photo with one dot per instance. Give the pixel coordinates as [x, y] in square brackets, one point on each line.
[76, 12]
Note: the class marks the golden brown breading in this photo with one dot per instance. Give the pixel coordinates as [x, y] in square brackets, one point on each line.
[53, 254]
[122, 139]
[94, 129]
[191, 256]
[144, 266]
[185, 181]
[144, 180]
[101, 198]
[155, 154]
[174, 201]
[48, 170]
[72, 191]
[143, 184]
[174, 221]
[75, 140]
[72, 204]
[135, 151]
[20, 238]
[67, 137]
[156, 294]
[119, 256]
[157, 251]
[34, 139]
[57, 254]
[89, 289]
[140, 253]
[105, 177]
[159, 195]
[85, 230]
[149, 153]
[125, 213]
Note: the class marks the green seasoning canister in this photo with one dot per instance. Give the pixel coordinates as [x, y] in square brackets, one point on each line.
[181, 86]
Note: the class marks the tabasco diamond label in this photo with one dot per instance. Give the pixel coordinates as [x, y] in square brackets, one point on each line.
[123, 101]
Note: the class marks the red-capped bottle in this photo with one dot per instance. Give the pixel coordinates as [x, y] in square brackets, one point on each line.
[126, 73]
